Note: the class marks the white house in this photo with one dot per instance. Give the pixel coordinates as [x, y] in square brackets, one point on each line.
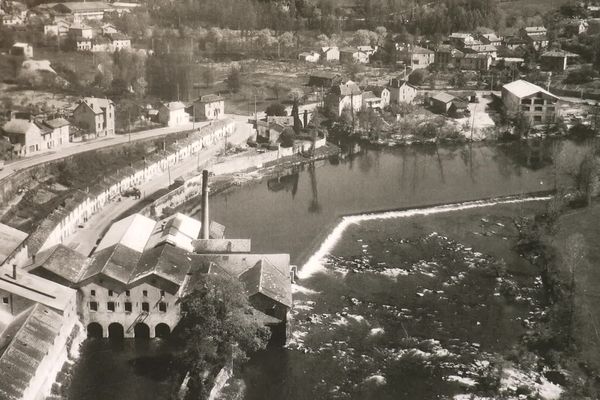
[537, 104]
[309, 56]
[173, 114]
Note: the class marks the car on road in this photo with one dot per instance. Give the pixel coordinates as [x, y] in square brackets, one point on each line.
[132, 192]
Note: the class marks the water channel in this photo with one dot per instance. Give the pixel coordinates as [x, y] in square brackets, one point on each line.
[371, 279]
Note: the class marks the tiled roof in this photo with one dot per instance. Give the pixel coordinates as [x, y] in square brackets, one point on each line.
[10, 239]
[165, 261]
[264, 278]
[97, 103]
[61, 261]
[18, 126]
[209, 98]
[24, 344]
[57, 123]
[377, 90]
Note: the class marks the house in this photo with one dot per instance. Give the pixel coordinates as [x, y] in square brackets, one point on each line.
[491, 39]
[59, 27]
[401, 91]
[556, 60]
[370, 100]
[173, 114]
[108, 28]
[210, 106]
[323, 79]
[345, 96]
[416, 57]
[29, 136]
[381, 92]
[350, 55]
[441, 102]
[118, 41]
[514, 42]
[446, 55]
[331, 53]
[12, 20]
[575, 27]
[270, 131]
[535, 36]
[96, 116]
[534, 102]
[533, 30]
[22, 50]
[80, 30]
[309, 56]
[476, 62]
[458, 108]
[487, 49]
[460, 39]
[368, 50]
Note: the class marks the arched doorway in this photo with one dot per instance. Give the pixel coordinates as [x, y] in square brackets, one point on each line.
[142, 331]
[162, 330]
[94, 330]
[116, 331]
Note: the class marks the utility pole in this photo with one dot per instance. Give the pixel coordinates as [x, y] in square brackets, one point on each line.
[129, 124]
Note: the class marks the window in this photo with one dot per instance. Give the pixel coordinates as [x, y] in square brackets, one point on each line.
[110, 306]
[5, 300]
[93, 306]
[144, 293]
[526, 101]
[145, 306]
[110, 293]
[162, 293]
[162, 307]
[539, 108]
[538, 101]
[127, 306]
[127, 293]
[525, 108]
[537, 118]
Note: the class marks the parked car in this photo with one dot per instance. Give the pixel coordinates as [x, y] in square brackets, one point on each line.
[132, 191]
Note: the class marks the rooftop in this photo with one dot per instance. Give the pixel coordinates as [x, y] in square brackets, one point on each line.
[444, 97]
[18, 126]
[174, 105]
[132, 232]
[97, 103]
[24, 344]
[35, 289]
[61, 261]
[523, 88]
[10, 240]
[209, 98]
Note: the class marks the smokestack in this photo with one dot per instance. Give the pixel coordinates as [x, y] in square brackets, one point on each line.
[205, 218]
[14, 275]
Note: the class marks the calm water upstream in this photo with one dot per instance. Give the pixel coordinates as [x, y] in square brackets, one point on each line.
[388, 316]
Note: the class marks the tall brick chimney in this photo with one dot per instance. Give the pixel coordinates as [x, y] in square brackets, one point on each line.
[205, 217]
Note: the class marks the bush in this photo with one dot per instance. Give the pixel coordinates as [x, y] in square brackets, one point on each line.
[582, 75]
[417, 77]
[276, 109]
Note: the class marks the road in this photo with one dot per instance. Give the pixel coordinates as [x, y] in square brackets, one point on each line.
[74, 148]
[84, 239]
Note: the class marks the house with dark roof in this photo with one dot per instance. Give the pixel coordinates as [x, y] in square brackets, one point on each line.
[381, 92]
[447, 56]
[345, 96]
[350, 55]
[324, 79]
[208, 107]
[96, 116]
[416, 57]
[476, 62]
[401, 91]
[556, 60]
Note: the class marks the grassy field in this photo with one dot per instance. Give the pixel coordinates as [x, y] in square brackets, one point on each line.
[587, 279]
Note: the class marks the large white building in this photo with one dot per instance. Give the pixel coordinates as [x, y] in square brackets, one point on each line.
[537, 104]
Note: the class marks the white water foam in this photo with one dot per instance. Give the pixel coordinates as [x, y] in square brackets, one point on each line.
[315, 262]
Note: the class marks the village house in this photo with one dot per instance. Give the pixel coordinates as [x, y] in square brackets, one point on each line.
[108, 28]
[416, 57]
[514, 42]
[535, 36]
[460, 40]
[96, 116]
[323, 79]
[556, 60]
[575, 27]
[118, 41]
[270, 132]
[345, 96]
[22, 50]
[532, 101]
[486, 49]
[210, 106]
[368, 50]
[381, 92]
[447, 56]
[476, 62]
[12, 20]
[80, 30]
[401, 91]
[350, 55]
[491, 39]
[331, 53]
[173, 114]
[58, 27]
[442, 102]
[29, 136]
[370, 100]
[309, 56]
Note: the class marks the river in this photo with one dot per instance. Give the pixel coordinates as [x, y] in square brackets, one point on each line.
[294, 213]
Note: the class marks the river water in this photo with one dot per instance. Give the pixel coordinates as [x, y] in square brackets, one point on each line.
[401, 308]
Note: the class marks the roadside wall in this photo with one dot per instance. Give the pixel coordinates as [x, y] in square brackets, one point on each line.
[64, 222]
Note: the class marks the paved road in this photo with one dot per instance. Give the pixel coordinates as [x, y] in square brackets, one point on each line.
[84, 239]
[74, 148]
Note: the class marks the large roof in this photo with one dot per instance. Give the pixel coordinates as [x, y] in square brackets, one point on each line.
[444, 97]
[173, 105]
[523, 88]
[210, 98]
[61, 261]
[96, 104]
[178, 230]
[166, 261]
[85, 6]
[23, 346]
[266, 279]
[35, 289]
[10, 239]
[132, 232]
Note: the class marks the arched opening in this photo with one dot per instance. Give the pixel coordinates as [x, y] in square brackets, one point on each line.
[142, 331]
[116, 331]
[94, 330]
[162, 330]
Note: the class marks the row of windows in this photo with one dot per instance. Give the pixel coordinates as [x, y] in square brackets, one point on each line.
[127, 306]
[127, 293]
[537, 108]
